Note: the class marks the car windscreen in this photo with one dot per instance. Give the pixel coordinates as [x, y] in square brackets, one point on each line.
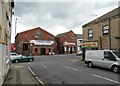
[117, 53]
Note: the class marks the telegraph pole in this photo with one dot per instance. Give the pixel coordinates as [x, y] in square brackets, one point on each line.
[15, 25]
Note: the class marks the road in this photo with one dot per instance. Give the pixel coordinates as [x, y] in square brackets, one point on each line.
[69, 69]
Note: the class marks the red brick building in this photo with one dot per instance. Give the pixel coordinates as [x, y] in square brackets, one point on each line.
[35, 42]
[66, 43]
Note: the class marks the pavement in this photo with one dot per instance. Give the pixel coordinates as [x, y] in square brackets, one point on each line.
[19, 75]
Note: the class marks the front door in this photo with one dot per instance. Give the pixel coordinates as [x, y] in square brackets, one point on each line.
[70, 50]
[43, 51]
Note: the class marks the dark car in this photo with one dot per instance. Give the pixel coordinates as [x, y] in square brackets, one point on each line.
[22, 59]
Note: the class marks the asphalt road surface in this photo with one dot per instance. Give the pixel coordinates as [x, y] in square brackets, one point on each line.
[69, 69]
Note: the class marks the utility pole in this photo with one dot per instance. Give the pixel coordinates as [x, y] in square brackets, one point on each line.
[15, 25]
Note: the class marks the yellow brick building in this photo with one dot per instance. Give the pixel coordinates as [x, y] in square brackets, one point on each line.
[104, 31]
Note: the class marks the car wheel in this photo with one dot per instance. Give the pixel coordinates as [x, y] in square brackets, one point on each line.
[115, 69]
[90, 64]
[31, 60]
[16, 61]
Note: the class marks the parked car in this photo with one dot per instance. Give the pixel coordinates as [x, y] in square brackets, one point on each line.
[103, 58]
[79, 53]
[22, 59]
[14, 55]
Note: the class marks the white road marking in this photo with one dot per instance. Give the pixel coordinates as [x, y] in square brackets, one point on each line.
[70, 68]
[18, 66]
[105, 78]
[29, 63]
[59, 55]
[40, 81]
[31, 71]
[44, 66]
[36, 76]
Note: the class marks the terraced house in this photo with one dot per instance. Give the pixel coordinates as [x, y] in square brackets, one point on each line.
[6, 7]
[103, 32]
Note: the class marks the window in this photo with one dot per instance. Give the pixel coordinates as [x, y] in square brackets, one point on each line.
[108, 55]
[7, 16]
[49, 50]
[36, 49]
[105, 29]
[90, 33]
[70, 38]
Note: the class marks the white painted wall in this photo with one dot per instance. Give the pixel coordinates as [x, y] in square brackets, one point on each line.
[4, 48]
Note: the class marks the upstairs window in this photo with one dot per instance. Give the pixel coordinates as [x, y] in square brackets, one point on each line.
[90, 33]
[105, 29]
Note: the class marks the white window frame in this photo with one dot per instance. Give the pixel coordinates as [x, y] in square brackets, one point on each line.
[105, 29]
[90, 33]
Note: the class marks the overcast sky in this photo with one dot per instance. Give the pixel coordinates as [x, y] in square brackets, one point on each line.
[58, 17]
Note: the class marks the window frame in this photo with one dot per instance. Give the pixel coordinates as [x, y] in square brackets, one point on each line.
[109, 56]
[36, 50]
[90, 33]
[105, 29]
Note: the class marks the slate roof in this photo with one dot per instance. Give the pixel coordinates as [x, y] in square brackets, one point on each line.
[79, 36]
[111, 14]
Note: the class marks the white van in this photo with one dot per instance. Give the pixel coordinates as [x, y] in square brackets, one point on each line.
[102, 58]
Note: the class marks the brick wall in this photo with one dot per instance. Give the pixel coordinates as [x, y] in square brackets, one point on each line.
[26, 36]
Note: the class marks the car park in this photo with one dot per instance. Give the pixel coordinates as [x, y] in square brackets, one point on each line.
[103, 58]
[22, 59]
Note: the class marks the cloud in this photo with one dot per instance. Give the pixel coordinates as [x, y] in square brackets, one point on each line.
[59, 17]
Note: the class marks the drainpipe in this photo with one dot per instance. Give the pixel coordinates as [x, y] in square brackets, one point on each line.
[109, 34]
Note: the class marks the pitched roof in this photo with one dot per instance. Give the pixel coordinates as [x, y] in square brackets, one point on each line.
[113, 13]
[79, 36]
[32, 30]
[63, 34]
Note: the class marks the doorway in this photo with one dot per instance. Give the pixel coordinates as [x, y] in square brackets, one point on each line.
[70, 50]
[43, 51]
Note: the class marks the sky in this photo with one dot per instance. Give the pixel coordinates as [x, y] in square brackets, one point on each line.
[58, 16]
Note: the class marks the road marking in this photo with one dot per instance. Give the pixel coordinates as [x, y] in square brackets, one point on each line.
[36, 76]
[18, 66]
[70, 68]
[44, 66]
[59, 55]
[29, 63]
[31, 71]
[105, 78]
[40, 81]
